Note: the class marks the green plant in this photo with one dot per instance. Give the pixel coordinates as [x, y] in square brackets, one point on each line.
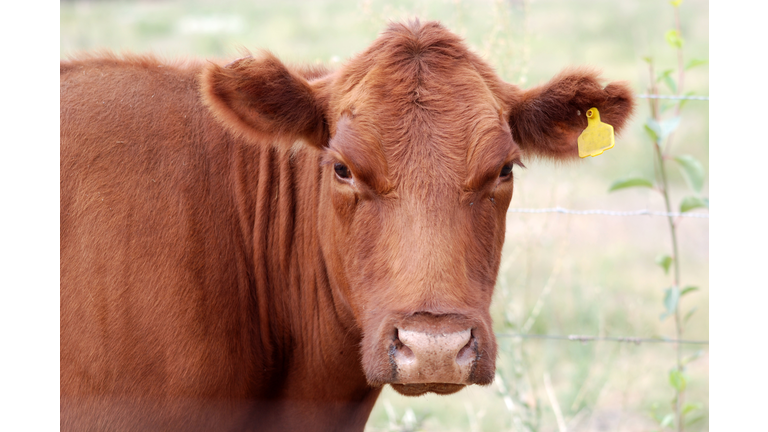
[409, 422]
[660, 128]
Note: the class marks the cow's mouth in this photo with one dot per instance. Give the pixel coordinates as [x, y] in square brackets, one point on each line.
[422, 388]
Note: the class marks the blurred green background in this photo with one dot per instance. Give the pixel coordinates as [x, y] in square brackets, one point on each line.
[561, 274]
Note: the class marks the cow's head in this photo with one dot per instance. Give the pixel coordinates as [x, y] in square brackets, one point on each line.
[419, 141]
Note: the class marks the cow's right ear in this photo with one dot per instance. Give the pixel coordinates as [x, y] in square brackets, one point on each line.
[260, 99]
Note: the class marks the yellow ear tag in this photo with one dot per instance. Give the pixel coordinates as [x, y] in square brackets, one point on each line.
[597, 137]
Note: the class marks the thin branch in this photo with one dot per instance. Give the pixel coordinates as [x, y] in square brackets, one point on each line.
[555, 406]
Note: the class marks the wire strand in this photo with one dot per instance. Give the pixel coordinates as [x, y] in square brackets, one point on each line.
[647, 96]
[608, 212]
[584, 339]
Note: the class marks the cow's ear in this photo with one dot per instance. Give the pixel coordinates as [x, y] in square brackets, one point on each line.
[547, 120]
[260, 99]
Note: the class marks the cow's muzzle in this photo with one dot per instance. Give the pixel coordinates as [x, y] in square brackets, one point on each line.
[425, 352]
[428, 352]
[427, 357]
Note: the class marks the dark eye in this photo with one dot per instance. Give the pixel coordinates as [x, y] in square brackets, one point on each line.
[506, 170]
[341, 170]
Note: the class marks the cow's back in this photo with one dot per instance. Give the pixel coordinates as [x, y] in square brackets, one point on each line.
[154, 288]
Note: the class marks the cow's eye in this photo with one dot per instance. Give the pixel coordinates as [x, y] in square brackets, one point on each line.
[506, 170]
[341, 170]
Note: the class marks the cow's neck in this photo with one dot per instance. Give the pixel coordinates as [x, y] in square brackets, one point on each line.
[309, 353]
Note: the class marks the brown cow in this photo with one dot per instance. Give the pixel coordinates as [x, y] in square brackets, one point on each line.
[258, 247]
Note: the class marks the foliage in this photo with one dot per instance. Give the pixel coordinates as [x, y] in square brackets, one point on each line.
[660, 130]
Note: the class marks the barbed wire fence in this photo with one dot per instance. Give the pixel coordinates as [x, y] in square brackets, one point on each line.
[410, 422]
[643, 212]
[525, 414]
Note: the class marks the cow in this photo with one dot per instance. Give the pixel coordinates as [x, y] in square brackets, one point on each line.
[255, 246]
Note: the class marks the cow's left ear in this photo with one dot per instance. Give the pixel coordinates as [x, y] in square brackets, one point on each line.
[546, 121]
[262, 100]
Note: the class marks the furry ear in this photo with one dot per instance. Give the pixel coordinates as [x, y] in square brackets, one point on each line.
[260, 99]
[547, 120]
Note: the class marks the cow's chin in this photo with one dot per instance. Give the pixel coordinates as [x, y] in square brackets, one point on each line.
[423, 388]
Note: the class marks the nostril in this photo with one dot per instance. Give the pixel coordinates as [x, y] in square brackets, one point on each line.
[468, 352]
[403, 353]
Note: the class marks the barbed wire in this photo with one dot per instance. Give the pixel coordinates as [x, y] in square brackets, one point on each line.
[584, 339]
[647, 96]
[607, 212]
[629, 339]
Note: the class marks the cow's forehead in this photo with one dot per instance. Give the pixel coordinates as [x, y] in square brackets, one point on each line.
[418, 97]
[411, 67]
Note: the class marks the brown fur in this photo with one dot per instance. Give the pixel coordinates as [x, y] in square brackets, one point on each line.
[216, 273]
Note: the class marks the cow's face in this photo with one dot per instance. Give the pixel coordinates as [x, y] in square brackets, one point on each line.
[417, 178]
[419, 142]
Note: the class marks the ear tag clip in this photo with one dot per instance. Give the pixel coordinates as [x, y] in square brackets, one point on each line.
[597, 137]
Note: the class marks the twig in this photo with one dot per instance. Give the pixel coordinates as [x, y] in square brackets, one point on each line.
[547, 288]
[555, 406]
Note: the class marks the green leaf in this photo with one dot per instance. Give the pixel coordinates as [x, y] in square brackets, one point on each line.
[675, 3]
[664, 261]
[689, 314]
[692, 171]
[670, 83]
[677, 380]
[654, 126]
[685, 101]
[659, 131]
[694, 419]
[689, 407]
[688, 289]
[671, 297]
[666, 77]
[692, 202]
[648, 59]
[660, 76]
[696, 62]
[654, 412]
[674, 39]
[668, 126]
[666, 105]
[667, 421]
[630, 182]
[651, 132]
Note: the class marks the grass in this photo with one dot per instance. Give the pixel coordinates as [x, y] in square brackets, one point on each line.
[600, 270]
